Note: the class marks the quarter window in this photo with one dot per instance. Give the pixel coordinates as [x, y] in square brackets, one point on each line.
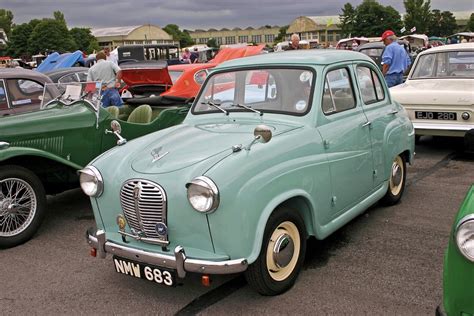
[3, 97]
[338, 95]
[371, 89]
[24, 92]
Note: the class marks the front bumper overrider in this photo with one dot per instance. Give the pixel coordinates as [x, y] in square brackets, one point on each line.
[179, 262]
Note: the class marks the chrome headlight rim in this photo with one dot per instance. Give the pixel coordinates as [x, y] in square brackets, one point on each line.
[466, 219]
[95, 174]
[208, 184]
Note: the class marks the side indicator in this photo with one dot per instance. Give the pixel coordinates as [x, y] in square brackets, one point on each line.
[206, 280]
[93, 252]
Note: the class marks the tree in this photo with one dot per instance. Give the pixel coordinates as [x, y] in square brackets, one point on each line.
[347, 20]
[18, 44]
[212, 43]
[470, 23]
[84, 39]
[282, 34]
[372, 19]
[6, 21]
[182, 36]
[50, 35]
[59, 16]
[442, 23]
[417, 15]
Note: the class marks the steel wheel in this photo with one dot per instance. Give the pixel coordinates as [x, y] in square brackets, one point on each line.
[17, 206]
[283, 251]
[22, 205]
[396, 181]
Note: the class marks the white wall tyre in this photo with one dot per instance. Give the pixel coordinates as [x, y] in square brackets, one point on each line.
[22, 205]
[396, 181]
[282, 253]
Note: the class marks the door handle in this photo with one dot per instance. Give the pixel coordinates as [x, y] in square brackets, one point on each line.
[393, 111]
[368, 123]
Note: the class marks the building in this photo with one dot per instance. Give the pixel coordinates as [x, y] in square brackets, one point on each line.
[316, 29]
[127, 35]
[263, 35]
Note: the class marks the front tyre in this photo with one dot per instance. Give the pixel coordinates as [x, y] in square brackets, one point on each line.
[396, 181]
[282, 254]
[22, 205]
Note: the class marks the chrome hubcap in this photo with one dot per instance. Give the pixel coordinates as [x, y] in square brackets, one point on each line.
[283, 251]
[396, 174]
[17, 206]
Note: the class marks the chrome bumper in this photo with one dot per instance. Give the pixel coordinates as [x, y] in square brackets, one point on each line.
[178, 261]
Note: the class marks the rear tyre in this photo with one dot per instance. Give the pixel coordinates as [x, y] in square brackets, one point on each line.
[282, 253]
[396, 181]
[22, 205]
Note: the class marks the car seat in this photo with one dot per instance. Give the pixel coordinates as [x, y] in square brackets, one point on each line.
[113, 110]
[141, 114]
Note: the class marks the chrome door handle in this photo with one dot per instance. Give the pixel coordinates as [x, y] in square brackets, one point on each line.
[366, 124]
[393, 112]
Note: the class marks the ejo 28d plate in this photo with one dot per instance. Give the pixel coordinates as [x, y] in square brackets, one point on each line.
[144, 271]
[429, 115]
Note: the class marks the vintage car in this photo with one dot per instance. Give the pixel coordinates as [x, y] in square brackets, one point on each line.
[439, 94]
[20, 90]
[70, 74]
[458, 274]
[276, 148]
[41, 151]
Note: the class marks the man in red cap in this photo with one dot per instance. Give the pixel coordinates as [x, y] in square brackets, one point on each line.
[395, 59]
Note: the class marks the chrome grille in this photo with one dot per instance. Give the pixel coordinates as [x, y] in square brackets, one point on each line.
[143, 204]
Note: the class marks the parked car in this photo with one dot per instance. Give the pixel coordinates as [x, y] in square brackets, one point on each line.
[41, 151]
[20, 90]
[458, 274]
[439, 94]
[375, 51]
[70, 74]
[267, 156]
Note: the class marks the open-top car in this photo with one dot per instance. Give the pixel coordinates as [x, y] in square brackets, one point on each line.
[41, 151]
[276, 148]
[439, 92]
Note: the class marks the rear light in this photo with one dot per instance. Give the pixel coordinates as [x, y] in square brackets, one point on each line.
[93, 252]
[206, 280]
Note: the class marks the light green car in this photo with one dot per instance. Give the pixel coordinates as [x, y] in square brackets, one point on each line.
[276, 148]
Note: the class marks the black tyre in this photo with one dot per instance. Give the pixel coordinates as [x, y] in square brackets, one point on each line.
[396, 181]
[22, 205]
[282, 254]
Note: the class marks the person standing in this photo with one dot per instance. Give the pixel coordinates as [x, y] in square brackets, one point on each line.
[110, 57]
[395, 60]
[110, 75]
[295, 42]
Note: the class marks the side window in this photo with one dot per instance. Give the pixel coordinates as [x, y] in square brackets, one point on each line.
[378, 86]
[370, 87]
[3, 97]
[68, 78]
[338, 95]
[24, 92]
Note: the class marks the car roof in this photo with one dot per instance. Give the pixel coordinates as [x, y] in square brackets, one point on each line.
[448, 48]
[12, 73]
[64, 71]
[298, 57]
[370, 45]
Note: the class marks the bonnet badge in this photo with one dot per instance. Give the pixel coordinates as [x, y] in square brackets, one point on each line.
[155, 153]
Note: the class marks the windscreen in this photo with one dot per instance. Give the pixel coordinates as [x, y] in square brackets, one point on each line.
[68, 93]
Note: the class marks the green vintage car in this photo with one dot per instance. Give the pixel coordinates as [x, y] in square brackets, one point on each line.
[458, 274]
[276, 148]
[41, 150]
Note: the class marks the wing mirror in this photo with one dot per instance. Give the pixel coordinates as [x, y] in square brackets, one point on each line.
[262, 133]
[116, 130]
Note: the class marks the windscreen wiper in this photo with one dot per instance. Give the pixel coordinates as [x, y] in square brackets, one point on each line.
[248, 108]
[216, 106]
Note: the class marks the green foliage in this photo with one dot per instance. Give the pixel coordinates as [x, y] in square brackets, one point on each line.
[84, 39]
[442, 23]
[372, 19]
[59, 16]
[417, 15]
[470, 23]
[281, 34]
[18, 44]
[182, 36]
[212, 43]
[347, 20]
[6, 21]
[50, 35]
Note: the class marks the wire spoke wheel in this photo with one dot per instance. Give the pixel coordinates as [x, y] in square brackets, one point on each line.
[18, 204]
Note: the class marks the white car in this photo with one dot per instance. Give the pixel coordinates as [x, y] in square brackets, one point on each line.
[439, 92]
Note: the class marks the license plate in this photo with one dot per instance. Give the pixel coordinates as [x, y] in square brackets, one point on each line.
[425, 115]
[144, 271]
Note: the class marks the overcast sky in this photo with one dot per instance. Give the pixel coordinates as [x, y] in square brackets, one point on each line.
[192, 14]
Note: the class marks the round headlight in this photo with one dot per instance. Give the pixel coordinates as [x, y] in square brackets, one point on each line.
[203, 194]
[465, 237]
[91, 181]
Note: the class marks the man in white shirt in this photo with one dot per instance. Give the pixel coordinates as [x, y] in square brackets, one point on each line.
[111, 57]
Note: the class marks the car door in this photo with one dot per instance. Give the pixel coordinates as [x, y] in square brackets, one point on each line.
[377, 107]
[343, 128]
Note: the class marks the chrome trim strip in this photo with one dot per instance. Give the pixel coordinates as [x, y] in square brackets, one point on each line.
[178, 261]
[455, 127]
